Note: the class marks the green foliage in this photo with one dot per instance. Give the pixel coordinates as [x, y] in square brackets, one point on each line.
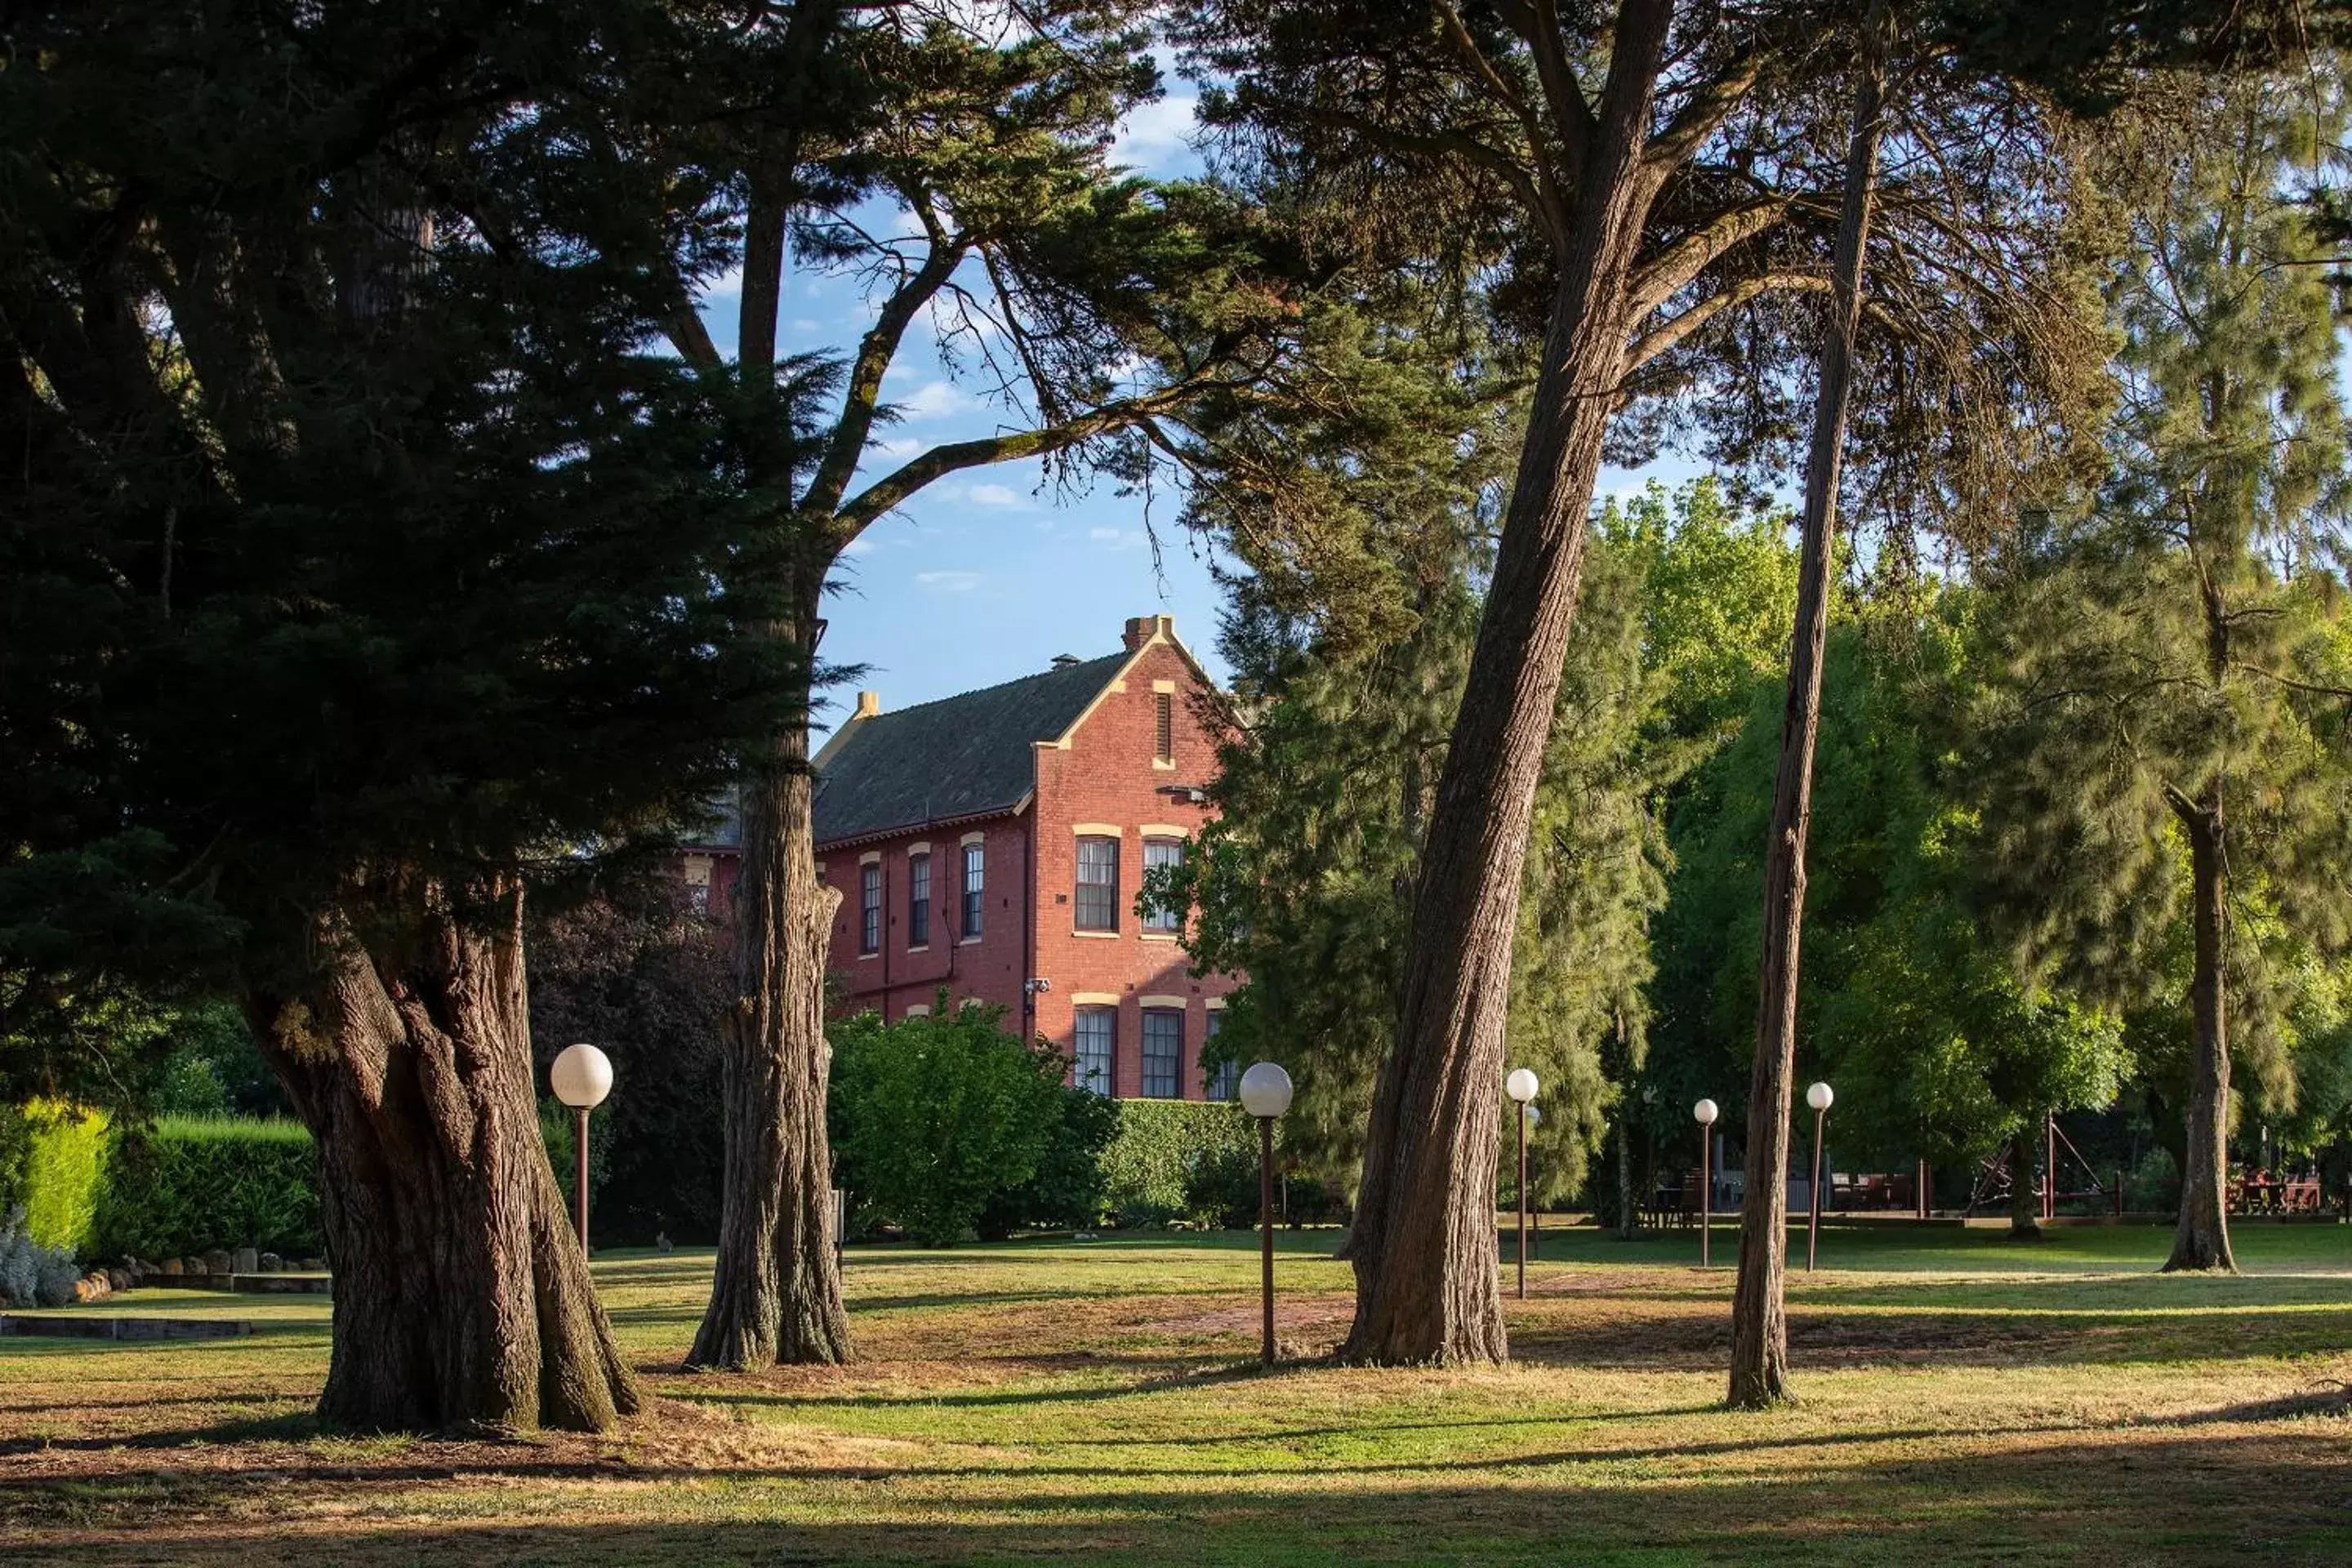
[2166, 660]
[187, 1185]
[1161, 1144]
[933, 1116]
[645, 981]
[65, 1172]
[559, 1127]
[1066, 1191]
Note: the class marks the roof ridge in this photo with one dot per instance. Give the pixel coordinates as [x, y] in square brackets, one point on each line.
[1119, 658]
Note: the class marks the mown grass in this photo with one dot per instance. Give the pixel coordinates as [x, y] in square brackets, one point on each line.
[1964, 1400]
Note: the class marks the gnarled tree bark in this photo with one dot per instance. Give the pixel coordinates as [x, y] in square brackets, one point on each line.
[1759, 1328]
[1427, 1287]
[462, 1301]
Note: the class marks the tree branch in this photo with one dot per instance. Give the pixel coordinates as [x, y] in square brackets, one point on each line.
[1686, 258]
[1702, 115]
[1651, 345]
[896, 488]
[874, 353]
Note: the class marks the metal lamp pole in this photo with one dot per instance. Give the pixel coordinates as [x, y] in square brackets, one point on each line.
[1705, 1112]
[1266, 1094]
[1819, 1096]
[1521, 1087]
[581, 1078]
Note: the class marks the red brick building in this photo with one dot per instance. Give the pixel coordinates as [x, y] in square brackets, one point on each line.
[994, 844]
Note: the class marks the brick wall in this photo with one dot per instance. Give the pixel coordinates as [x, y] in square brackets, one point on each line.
[1108, 777]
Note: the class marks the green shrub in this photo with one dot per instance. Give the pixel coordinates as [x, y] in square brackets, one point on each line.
[63, 1173]
[1066, 1190]
[188, 1184]
[935, 1116]
[1161, 1147]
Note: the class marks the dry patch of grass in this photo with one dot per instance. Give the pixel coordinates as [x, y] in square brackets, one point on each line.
[1095, 1403]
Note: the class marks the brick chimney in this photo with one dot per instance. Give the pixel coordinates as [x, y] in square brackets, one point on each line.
[1141, 629]
[869, 704]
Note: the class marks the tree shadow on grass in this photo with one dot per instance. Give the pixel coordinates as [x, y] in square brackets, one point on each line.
[2179, 1497]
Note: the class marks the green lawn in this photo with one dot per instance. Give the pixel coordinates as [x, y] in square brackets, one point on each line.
[1965, 1400]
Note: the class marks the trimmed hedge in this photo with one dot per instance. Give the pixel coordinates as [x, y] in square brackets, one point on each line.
[188, 1184]
[1149, 1167]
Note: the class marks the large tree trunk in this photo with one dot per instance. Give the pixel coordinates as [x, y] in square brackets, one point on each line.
[1424, 1246]
[2202, 1238]
[1759, 1329]
[461, 1296]
[777, 1293]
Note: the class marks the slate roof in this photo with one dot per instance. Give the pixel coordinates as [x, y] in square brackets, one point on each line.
[959, 757]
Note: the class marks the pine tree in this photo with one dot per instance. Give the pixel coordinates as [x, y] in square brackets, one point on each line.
[2165, 722]
[1636, 188]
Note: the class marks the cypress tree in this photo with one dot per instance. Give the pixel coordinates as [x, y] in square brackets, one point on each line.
[366, 574]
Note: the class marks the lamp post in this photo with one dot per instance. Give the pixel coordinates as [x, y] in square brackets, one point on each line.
[1704, 1111]
[1819, 1098]
[1535, 1235]
[1266, 1094]
[581, 1078]
[1521, 1087]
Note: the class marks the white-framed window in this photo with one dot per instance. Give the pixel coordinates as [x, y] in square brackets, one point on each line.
[1162, 916]
[975, 871]
[1097, 892]
[869, 907]
[1163, 1053]
[919, 901]
[1098, 1048]
[1226, 1083]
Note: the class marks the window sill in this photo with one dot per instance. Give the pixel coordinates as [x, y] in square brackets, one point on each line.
[1167, 767]
[1161, 935]
[971, 941]
[926, 947]
[1097, 935]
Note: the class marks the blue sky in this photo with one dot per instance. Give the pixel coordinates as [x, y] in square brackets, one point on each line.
[989, 573]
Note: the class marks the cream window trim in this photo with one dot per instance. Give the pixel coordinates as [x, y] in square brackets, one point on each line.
[1165, 767]
[1163, 830]
[1171, 1002]
[820, 868]
[698, 869]
[871, 857]
[1167, 686]
[1214, 1003]
[970, 940]
[973, 838]
[918, 1010]
[924, 948]
[1157, 935]
[923, 847]
[1093, 999]
[1098, 830]
[1097, 935]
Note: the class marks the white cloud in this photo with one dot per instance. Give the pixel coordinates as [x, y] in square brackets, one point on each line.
[936, 400]
[727, 286]
[1102, 533]
[900, 448]
[806, 325]
[997, 495]
[858, 547]
[1117, 538]
[947, 582]
[1155, 133]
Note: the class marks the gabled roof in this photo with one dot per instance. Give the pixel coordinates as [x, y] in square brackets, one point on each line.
[960, 757]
